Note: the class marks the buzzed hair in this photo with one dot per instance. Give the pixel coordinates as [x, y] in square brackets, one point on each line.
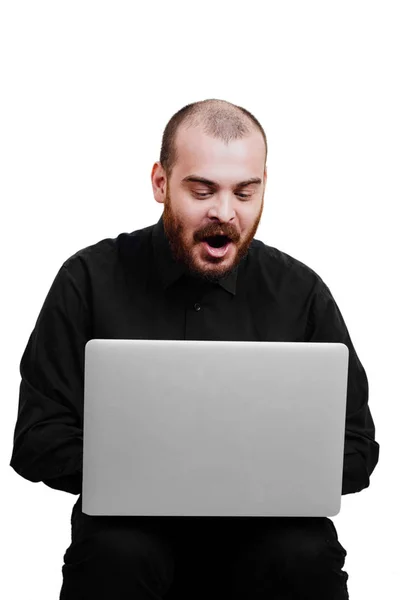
[218, 118]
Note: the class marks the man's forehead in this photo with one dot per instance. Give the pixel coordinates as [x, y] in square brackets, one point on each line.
[196, 149]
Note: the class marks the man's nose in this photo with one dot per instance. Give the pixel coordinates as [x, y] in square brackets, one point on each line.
[224, 208]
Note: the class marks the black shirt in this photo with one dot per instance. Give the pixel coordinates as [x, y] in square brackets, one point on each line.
[130, 287]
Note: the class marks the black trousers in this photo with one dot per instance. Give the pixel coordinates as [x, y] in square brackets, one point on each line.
[188, 558]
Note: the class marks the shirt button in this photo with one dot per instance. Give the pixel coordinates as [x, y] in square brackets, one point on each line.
[197, 306]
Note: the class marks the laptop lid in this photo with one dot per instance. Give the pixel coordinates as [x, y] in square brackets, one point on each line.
[213, 428]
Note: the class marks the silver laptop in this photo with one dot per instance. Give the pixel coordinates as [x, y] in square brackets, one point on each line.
[213, 428]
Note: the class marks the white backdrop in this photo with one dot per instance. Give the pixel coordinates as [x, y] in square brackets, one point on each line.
[87, 89]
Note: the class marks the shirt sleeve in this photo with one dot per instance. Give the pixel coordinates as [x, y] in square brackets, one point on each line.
[48, 436]
[361, 451]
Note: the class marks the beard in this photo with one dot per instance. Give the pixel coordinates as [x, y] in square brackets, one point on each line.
[182, 250]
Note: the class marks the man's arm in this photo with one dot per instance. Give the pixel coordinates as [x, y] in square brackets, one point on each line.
[48, 436]
[361, 451]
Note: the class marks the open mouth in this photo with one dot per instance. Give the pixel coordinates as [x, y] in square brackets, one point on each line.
[217, 245]
[217, 241]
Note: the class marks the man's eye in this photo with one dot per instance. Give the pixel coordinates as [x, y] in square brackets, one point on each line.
[202, 195]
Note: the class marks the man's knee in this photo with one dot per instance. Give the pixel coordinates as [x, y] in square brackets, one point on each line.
[111, 559]
[304, 543]
[134, 549]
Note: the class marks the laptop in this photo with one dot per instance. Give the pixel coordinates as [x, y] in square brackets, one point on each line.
[213, 428]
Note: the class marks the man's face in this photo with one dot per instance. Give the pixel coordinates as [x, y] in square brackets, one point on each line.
[195, 210]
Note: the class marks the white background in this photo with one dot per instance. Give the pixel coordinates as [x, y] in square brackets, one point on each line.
[87, 89]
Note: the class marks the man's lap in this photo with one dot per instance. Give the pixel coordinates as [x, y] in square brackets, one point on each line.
[234, 552]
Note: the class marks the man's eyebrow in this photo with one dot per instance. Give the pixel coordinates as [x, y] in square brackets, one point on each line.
[198, 179]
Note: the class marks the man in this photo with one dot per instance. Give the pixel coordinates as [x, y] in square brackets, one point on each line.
[197, 274]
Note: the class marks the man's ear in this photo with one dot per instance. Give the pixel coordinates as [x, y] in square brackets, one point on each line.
[159, 183]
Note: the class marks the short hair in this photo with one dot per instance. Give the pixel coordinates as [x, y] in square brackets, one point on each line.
[218, 118]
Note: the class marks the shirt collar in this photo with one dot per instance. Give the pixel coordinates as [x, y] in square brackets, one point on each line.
[169, 270]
